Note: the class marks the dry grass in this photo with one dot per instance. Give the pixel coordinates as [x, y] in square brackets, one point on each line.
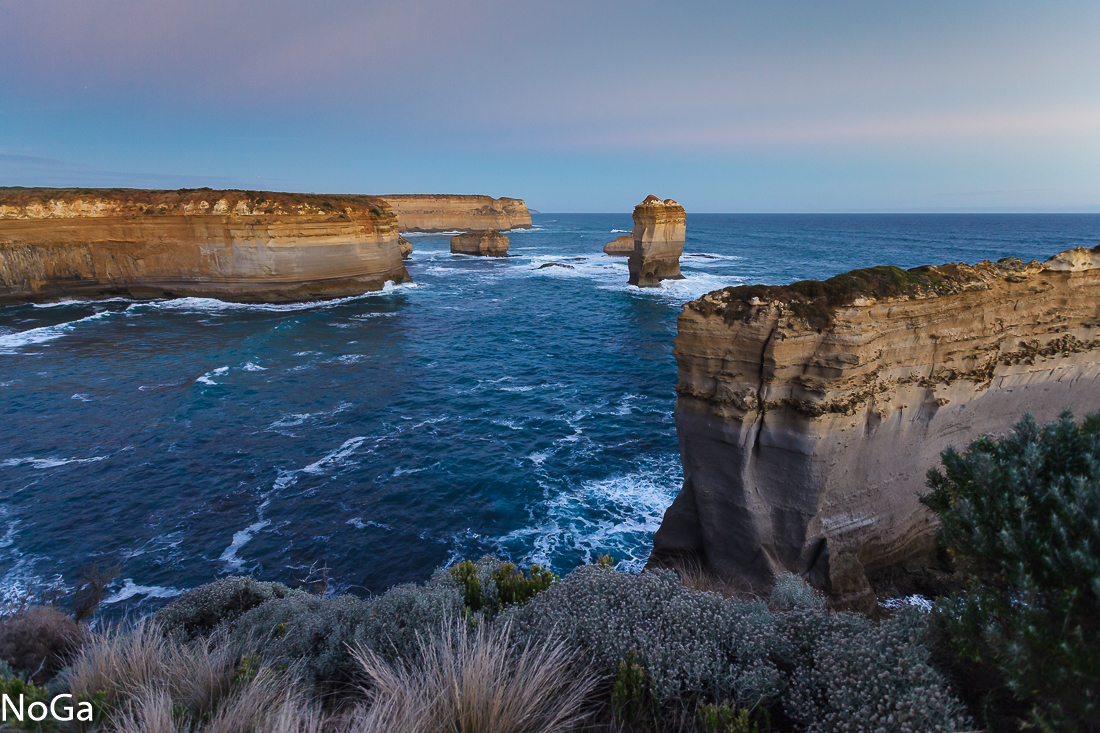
[464, 681]
[155, 684]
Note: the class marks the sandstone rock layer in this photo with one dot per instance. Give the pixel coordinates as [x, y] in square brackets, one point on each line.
[445, 213]
[659, 231]
[233, 245]
[488, 242]
[623, 246]
[809, 415]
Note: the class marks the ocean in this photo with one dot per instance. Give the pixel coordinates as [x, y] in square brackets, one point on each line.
[491, 406]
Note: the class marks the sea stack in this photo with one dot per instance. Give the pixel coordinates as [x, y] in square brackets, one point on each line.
[232, 245]
[623, 246]
[405, 246]
[487, 242]
[808, 415]
[659, 232]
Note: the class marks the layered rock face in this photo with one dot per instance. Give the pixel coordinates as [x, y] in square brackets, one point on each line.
[444, 213]
[405, 246]
[659, 232]
[623, 246]
[809, 415]
[488, 242]
[233, 245]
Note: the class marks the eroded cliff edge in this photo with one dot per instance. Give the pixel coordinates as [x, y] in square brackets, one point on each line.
[234, 245]
[444, 213]
[808, 415]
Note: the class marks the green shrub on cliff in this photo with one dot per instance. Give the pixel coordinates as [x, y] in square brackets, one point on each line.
[1022, 513]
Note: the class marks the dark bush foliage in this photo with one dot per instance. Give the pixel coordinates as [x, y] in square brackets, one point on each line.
[1022, 513]
[38, 641]
[200, 611]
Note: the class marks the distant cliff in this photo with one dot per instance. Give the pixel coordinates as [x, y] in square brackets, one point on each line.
[808, 415]
[444, 213]
[234, 245]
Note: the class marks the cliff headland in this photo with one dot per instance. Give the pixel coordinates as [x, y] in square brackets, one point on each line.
[445, 213]
[809, 414]
[233, 245]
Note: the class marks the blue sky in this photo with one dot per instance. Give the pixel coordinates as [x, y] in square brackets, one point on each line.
[726, 106]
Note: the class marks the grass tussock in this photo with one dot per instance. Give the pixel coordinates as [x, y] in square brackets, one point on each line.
[474, 681]
[145, 680]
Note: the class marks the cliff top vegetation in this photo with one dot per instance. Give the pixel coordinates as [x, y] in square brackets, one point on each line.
[816, 301]
[17, 202]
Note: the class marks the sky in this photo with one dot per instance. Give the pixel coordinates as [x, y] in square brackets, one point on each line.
[574, 106]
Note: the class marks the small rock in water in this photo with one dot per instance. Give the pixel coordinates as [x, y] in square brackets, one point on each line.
[554, 264]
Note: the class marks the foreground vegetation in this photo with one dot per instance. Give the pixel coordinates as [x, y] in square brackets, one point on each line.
[485, 647]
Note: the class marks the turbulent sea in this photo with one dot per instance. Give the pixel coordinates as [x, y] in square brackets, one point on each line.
[492, 406]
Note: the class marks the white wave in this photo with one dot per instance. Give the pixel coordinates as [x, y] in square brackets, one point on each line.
[508, 424]
[916, 601]
[453, 233]
[518, 389]
[81, 397]
[130, 589]
[250, 367]
[49, 462]
[9, 536]
[74, 301]
[539, 457]
[11, 341]
[330, 460]
[620, 231]
[601, 515]
[352, 358]
[206, 378]
[297, 418]
[240, 539]
[360, 523]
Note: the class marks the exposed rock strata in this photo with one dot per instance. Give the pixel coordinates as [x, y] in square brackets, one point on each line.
[445, 213]
[488, 242]
[659, 231]
[234, 245]
[808, 415]
[405, 246]
[623, 246]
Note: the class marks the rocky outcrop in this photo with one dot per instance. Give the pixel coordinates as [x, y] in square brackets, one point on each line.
[808, 415]
[405, 246]
[445, 213]
[234, 245]
[659, 231]
[487, 242]
[623, 246]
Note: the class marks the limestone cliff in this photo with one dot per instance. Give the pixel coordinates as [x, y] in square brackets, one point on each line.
[445, 213]
[623, 246]
[659, 231]
[808, 415]
[234, 245]
[488, 242]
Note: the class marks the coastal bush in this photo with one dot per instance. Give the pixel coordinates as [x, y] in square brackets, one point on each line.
[687, 642]
[473, 681]
[39, 640]
[306, 630]
[1022, 514]
[647, 632]
[491, 584]
[852, 674]
[201, 610]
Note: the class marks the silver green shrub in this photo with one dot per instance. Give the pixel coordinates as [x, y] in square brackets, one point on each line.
[201, 610]
[312, 632]
[864, 677]
[390, 623]
[687, 642]
[829, 671]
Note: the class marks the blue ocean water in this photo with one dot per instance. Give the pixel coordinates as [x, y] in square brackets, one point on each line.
[490, 406]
